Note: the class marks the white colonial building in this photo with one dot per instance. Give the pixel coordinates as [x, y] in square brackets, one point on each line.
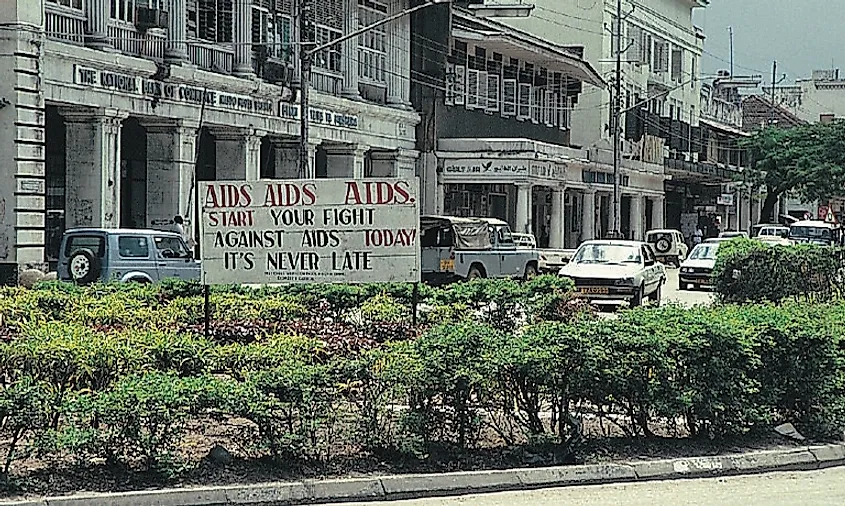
[107, 106]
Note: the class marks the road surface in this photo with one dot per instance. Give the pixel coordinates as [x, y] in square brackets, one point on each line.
[813, 488]
[685, 297]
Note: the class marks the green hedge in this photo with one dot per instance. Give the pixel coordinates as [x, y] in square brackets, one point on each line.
[131, 396]
[748, 270]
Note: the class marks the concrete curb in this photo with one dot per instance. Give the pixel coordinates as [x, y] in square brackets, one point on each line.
[431, 485]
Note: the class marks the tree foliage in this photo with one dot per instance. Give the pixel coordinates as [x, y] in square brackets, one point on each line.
[808, 160]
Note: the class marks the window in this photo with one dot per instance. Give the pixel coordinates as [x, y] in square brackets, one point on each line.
[129, 246]
[271, 34]
[214, 20]
[171, 247]
[661, 55]
[327, 59]
[493, 92]
[677, 64]
[635, 43]
[73, 4]
[372, 46]
[95, 243]
[460, 84]
[123, 10]
[525, 95]
[509, 87]
[647, 42]
[694, 71]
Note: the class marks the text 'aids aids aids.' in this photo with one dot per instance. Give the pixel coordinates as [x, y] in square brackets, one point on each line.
[310, 231]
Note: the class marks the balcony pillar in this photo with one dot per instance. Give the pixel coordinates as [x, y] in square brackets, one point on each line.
[97, 29]
[177, 32]
[242, 38]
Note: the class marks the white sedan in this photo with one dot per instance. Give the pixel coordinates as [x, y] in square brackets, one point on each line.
[611, 271]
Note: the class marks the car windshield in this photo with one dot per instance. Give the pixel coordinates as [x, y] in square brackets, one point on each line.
[653, 237]
[607, 254]
[704, 251]
[815, 233]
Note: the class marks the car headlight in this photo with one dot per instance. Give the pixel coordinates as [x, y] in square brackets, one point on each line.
[625, 281]
[686, 269]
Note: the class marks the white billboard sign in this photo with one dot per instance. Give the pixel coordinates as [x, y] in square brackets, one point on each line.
[310, 231]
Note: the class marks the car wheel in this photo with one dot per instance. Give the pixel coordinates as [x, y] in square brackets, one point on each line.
[475, 272]
[637, 300]
[530, 272]
[663, 246]
[84, 266]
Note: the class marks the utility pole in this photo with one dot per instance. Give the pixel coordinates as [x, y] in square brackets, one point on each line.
[617, 131]
[774, 78]
[731, 31]
[307, 33]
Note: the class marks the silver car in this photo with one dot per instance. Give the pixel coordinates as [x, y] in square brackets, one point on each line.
[90, 255]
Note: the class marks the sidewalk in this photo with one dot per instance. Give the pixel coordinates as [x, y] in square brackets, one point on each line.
[446, 484]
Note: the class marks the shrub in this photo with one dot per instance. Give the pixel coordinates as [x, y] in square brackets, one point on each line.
[748, 270]
[26, 414]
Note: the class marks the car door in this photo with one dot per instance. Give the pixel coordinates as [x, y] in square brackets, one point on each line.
[173, 258]
[650, 269]
[510, 258]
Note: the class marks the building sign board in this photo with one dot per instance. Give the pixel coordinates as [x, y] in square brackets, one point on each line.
[498, 168]
[310, 231]
[196, 95]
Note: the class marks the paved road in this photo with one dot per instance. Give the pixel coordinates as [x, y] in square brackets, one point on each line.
[815, 488]
[671, 293]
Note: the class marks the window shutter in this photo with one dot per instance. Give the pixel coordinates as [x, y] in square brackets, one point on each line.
[677, 64]
[635, 39]
[472, 89]
[509, 100]
[647, 44]
[460, 84]
[481, 101]
[524, 112]
[493, 92]
[550, 108]
[537, 106]
[450, 84]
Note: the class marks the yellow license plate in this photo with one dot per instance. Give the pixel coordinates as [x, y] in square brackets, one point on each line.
[595, 290]
[447, 265]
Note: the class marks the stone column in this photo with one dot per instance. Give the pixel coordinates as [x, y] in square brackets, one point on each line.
[396, 47]
[93, 167]
[637, 217]
[238, 154]
[345, 160]
[588, 224]
[171, 148]
[286, 158]
[242, 38]
[523, 208]
[558, 223]
[349, 56]
[658, 213]
[401, 163]
[177, 32]
[97, 32]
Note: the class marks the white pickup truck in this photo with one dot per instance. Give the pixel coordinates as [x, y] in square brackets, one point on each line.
[551, 260]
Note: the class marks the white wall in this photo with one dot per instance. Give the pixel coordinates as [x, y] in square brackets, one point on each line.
[586, 23]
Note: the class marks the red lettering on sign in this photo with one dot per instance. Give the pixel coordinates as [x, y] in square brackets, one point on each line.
[378, 193]
[290, 194]
[228, 195]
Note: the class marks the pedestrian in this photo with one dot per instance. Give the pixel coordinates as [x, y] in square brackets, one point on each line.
[178, 226]
[698, 236]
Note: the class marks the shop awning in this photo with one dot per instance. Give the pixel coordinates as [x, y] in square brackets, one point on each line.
[724, 128]
[513, 43]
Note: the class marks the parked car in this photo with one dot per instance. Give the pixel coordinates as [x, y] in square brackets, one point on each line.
[524, 241]
[608, 271]
[697, 269]
[669, 245]
[773, 231]
[816, 232]
[89, 255]
[468, 248]
[733, 234]
[552, 260]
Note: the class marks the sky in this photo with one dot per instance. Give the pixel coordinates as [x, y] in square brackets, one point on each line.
[802, 35]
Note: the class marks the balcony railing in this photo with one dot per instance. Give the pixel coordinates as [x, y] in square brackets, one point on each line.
[126, 39]
[326, 81]
[212, 57]
[66, 25]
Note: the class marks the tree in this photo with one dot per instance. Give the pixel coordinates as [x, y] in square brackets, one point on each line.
[808, 160]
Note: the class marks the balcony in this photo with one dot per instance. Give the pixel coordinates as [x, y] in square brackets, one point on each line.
[129, 41]
[65, 25]
[210, 56]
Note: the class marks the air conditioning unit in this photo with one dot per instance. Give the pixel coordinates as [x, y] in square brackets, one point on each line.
[146, 18]
[278, 73]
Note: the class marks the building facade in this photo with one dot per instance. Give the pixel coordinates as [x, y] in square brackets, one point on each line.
[496, 105]
[816, 99]
[118, 107]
